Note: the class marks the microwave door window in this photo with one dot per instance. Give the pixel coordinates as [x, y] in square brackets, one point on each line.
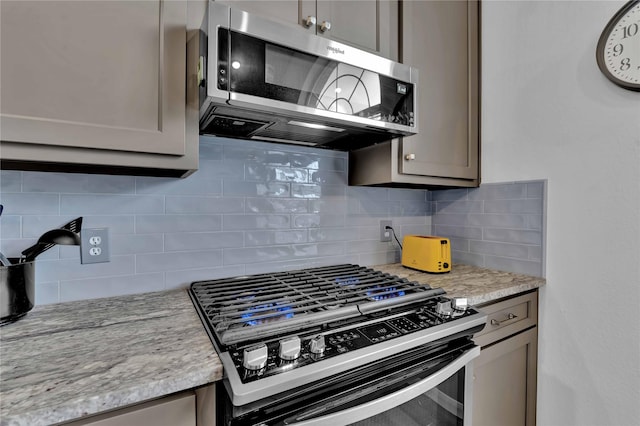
[294, 76]
[352, 91]
[319, 77]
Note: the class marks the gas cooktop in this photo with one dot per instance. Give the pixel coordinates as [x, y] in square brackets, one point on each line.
[276, 331]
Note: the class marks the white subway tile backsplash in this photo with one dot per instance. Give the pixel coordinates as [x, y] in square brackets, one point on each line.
[512, 236]
[256, 221]
[204, 205]
[171, 261]
[531, 206]
[70, 269]
[103, 287]
[233, 188]
[197, 185]
[182, 278]
[460, 206]
[253, 207]
[184, 241]
[281, 253]
[268, 238]
[71, 183]
[496, 226]
[333, 234]
[146, 224]
[276, 205]
[47, 292]
[122, 244]
[535, 189]
[10, 227]
[10, 181]
[312, 191]
[498, 220]
[317, 220]
[458, 231]
[498, 192]
[518, 251]
[88, 204]
[28, 204]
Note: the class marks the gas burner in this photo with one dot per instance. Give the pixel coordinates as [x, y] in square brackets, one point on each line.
[266, 313]
[347, 281]
[382, 293]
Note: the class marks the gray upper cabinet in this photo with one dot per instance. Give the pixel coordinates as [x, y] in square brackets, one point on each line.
[371, 25]
[440, 39]
[98, 83]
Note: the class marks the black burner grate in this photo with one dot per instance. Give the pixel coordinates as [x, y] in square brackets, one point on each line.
[260, 306]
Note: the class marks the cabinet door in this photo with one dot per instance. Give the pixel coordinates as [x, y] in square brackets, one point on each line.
[178, 410]
[288, 11]
[352, 22]
[440, 38]
[96, 74]
[504, 382]
[368, 24]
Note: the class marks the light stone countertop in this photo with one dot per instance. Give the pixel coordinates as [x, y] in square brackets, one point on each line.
[68, 360]
[479, 285]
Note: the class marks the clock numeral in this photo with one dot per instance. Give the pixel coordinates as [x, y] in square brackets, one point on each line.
[618, 49]
[630, 30]
[625, 64]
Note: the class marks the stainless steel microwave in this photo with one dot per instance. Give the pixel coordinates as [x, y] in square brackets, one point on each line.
[271, 81]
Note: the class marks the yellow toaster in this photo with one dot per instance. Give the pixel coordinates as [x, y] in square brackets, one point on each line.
[426, 253]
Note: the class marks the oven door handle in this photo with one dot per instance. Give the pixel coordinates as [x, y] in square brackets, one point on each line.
[387, 402]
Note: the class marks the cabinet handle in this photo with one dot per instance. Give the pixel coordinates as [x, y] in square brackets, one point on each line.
[309, 21]
[510, 316]
[410, 157]
[325, 26]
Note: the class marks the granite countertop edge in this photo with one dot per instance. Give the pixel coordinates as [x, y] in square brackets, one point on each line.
[65, 361]
[133, 363]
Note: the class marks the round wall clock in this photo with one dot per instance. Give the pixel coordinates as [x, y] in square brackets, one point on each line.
[618, 51]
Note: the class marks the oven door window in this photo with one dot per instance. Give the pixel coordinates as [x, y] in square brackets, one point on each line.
[269, 71]
[441, 406]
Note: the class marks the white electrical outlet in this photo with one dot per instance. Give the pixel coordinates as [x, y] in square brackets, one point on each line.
[94, 245]
[385, 234]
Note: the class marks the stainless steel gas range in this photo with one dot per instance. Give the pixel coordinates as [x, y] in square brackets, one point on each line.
[335, 345]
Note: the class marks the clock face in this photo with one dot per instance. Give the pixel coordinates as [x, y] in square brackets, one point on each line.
[618, 52]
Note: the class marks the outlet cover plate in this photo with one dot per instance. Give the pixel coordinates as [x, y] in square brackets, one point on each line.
[385, 234]
[94, 245]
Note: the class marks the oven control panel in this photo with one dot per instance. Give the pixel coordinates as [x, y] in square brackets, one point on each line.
[267, 359]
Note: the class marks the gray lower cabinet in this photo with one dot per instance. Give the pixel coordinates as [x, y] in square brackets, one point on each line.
[96, 85]
[368, 24]
[504, 382]
[178, 410]
[441, 40]
[189, 408]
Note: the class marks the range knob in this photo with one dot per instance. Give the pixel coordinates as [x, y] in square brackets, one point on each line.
[289, 348]
[459, 304]
[444, 308]
[255, 357]
[317, 345]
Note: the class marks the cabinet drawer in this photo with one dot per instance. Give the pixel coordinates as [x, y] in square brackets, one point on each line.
[508, 317]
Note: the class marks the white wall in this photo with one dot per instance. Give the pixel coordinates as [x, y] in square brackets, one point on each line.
[548, 112]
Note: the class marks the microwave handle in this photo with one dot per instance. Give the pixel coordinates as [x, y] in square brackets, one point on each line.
[380, 405]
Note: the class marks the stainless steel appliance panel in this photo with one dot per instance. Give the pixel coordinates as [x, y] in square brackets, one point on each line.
[300, 88]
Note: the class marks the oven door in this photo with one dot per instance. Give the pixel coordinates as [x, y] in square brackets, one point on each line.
[426, 386]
